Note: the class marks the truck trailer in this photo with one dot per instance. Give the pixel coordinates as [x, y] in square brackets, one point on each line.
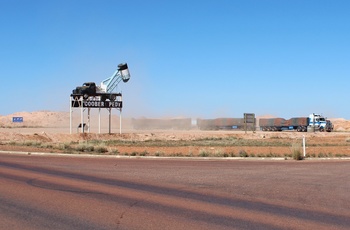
[301, 124]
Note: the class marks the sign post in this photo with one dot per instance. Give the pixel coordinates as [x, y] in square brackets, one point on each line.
[249, 118]
[97, 103]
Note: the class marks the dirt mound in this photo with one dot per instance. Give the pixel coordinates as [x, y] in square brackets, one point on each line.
[36, 119]
[340, 124]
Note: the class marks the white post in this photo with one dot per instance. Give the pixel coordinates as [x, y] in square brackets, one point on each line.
[304, 151]
[120, 122]
[88, 123]
[70, 114]
[99, 120]
[110, 117]
[82, 114]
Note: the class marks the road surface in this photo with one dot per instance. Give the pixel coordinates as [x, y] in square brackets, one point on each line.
[50, 192]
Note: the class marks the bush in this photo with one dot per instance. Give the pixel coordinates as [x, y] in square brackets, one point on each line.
[243, 153]
[297, 151]
[157, 154]
[64, 146]
[297, 155]
[204, 153]
[85, 148]
[32, 143]
[101, 149]
[115, 152]
[144, 153]
[232, 154]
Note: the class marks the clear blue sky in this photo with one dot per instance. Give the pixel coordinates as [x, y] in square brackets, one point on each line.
[187, 58]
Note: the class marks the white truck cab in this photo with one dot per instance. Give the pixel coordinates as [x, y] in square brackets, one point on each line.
[317, 121]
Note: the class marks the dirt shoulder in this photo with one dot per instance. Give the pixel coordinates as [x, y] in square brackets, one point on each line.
[178, 143]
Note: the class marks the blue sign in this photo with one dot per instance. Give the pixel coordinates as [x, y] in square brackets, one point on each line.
[17, 119]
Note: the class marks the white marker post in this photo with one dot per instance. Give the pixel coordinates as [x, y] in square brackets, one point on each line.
[304, 150]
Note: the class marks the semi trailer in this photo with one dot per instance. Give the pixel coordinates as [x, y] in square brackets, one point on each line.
[302, 124]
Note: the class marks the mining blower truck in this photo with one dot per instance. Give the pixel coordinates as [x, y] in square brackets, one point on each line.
[105, 89]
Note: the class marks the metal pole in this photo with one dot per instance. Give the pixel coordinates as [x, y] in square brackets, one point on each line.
[70, 114]
[88, 123]
[304, 149]
[82, 115]
[99, 120]
[120, 122]
[110, 110]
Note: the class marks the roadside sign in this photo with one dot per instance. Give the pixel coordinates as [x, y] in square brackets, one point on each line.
[249, 118]
[17, 119]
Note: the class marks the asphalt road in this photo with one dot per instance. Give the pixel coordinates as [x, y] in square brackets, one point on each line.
[47, 192]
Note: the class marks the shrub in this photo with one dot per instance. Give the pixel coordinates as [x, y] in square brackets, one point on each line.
[144, 153]
[12, 143]
[204, 153]
[46, 145]
[157, 154]
[297, 155]
[101, 149]
[243, 153]
[219, 153]
[85, 148]
[232, 154]
[32, 143]
[176, 155]
[115, 151]
[64, 146]
[297, 151]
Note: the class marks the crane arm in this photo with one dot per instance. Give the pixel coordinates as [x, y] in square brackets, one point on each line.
[122, 73]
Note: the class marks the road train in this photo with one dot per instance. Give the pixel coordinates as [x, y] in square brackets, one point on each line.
[301, 124]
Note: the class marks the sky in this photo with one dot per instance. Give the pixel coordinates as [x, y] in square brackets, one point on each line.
[192, 58]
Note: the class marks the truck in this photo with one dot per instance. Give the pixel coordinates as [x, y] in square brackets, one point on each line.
[105, 90]
[223, 124]
[301, 124]
[329, 126]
